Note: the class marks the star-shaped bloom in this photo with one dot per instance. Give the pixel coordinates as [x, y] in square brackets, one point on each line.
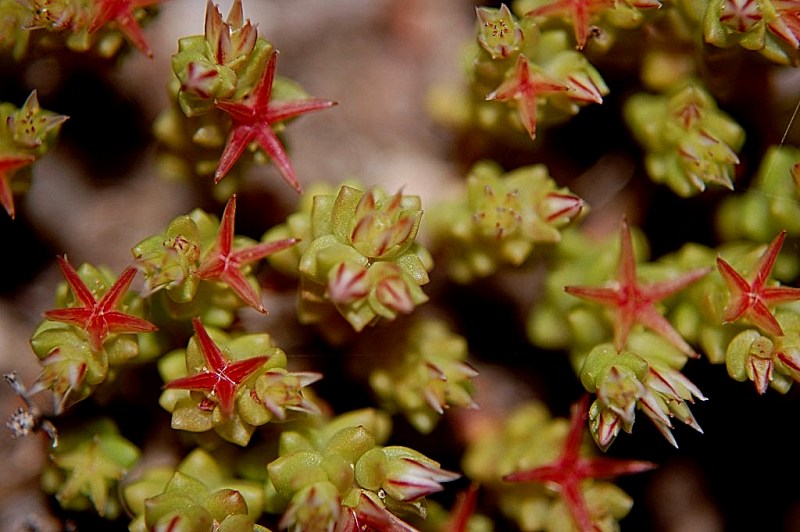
[224, 264]
[751, 299]
[253, 117]
[498, 31]
[570, 469]
[32, 128]
[98, 318]
[122, 13]
[635, 302]
[219, 378]
[8, 165]
[526, 87]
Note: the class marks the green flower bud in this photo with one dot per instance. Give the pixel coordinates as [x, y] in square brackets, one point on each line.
[425, 375]
[371, 469]
[363, 258]
[295, 471]
[503, 217]
[690, 143]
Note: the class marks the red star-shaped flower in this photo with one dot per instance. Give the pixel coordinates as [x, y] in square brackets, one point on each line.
[122, 13]
[219, 378]
[635, 302]
[751, 300]
[98, 318]
[8, 165]
[526, 87]
[570, 469]
[224, 264]
[253, 118]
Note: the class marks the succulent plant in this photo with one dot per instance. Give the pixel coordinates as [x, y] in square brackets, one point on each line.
[610, 225]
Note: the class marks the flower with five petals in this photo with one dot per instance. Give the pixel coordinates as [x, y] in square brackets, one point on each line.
[98, 318]
[224, 264]
[750, 300]
[25, 135]
[526, 87]
[581, 12]
[254, 118]
[219, 378]
[634, 302]
[570, 469]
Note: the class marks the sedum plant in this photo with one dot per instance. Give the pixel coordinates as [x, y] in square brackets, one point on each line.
[359, 258]
[618, 236]
[502, 218]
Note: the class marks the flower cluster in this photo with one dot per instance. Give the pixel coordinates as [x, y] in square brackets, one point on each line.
[742, 316]
[231, 389]
[641, 368]
[646, 376]
[339, 475]
[226, 97]
[87, 467]
[502, 218]
[690, 143]
[196, 248]
[427, 374]
[360, 260]
[81, 342]
[259, 448]
[521, 76]
[544, 476]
